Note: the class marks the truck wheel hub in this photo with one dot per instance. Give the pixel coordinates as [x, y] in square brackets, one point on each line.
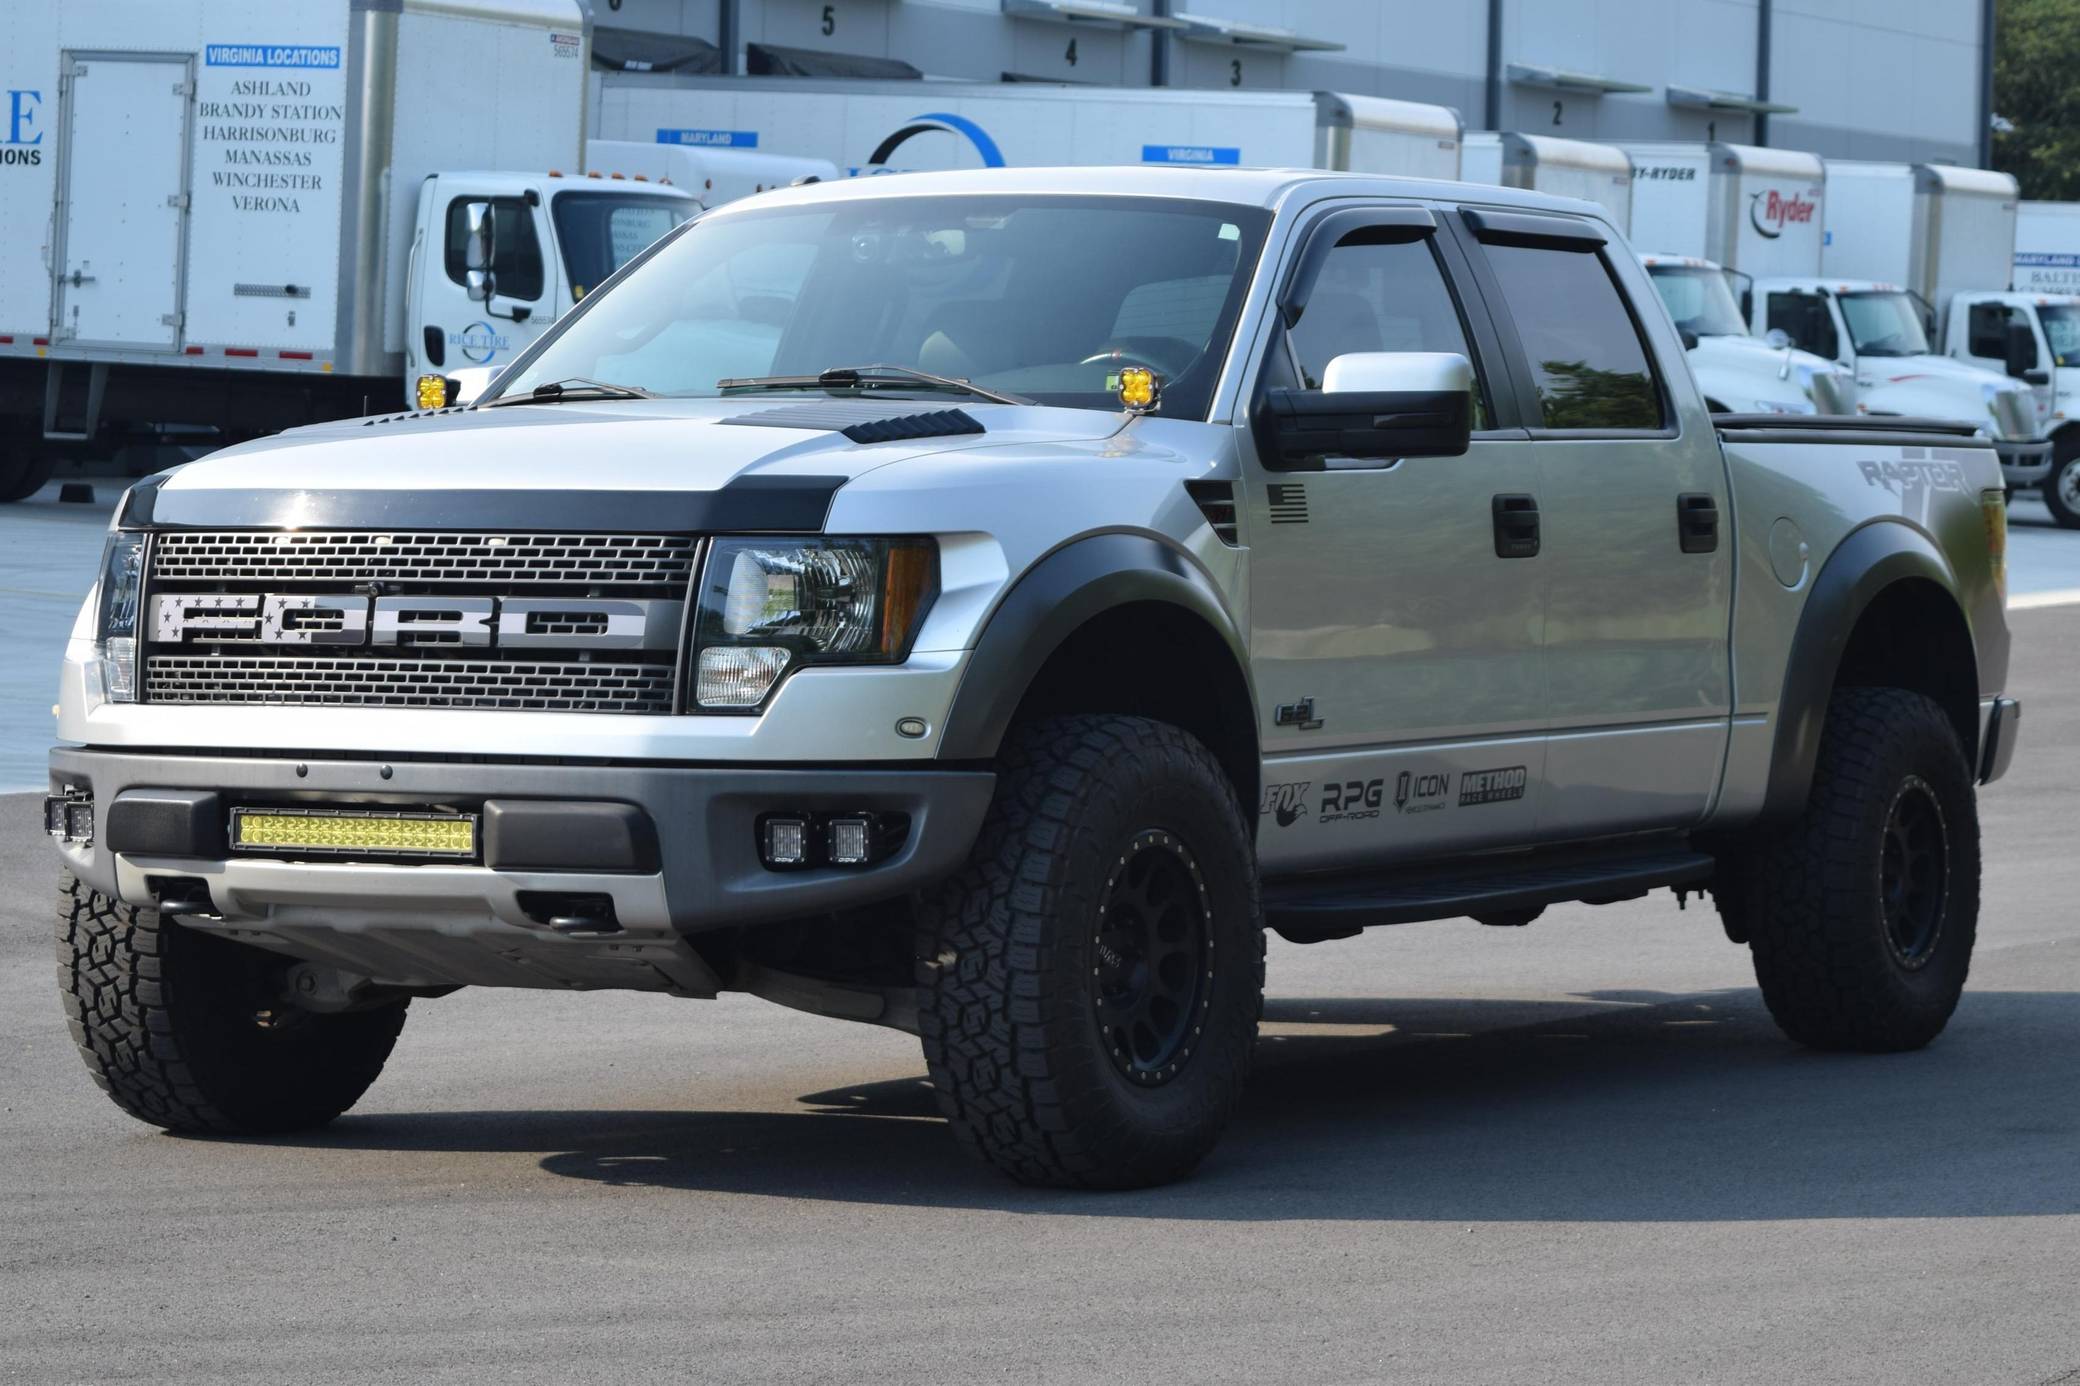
[1152, 958]
[1914, 873]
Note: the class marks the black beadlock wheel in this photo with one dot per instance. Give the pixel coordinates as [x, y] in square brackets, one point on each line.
[188, 1032]
[1861, 914]
[1090, 983]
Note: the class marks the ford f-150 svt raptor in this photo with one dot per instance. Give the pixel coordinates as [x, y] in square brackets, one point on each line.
[982, 604]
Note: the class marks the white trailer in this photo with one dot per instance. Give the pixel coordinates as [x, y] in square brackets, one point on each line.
[866, 127]
[1566, 168]
[1935, 229]
[2047, 247]
[226, 217]
[1755, 211]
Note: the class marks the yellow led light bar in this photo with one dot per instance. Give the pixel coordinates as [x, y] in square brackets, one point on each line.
[353, 832]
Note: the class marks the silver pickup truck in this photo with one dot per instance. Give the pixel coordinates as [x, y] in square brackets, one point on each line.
[982, 604]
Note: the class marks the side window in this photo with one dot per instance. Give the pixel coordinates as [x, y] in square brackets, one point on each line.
[1588, 363]
[517, 261]
[1805, 319]
[1986, 332]
[1379, 296]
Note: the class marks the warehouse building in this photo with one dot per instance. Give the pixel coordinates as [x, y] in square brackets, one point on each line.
[1861, 79]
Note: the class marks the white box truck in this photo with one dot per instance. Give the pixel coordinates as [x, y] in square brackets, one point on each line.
[935, 126]
[1599, 173]
[1704, 212]
[225, 217]
[2047, 247]
[1899, 238]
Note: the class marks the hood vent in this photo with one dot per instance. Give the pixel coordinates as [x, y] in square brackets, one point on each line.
[864, 422]
[373, 420]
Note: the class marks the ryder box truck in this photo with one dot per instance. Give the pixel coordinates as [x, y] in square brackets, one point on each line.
[226, 217]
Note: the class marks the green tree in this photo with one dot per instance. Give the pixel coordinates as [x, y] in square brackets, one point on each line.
[2036, 51]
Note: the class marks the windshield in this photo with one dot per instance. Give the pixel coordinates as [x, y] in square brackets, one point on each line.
[1886, 323]
[602, 231]
[1700, 300]
[1045, 297]
[2062, 329]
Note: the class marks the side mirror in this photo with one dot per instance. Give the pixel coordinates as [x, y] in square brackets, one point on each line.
[479, 247]
[1373, 405]
[1778, 338]
[1690, 339]
[2036, 377]
[2021, 344]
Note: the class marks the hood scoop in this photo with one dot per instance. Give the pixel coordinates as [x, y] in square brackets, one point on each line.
[864, 421]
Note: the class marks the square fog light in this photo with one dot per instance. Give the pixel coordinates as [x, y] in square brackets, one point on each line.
[850, 841]
[785, 842]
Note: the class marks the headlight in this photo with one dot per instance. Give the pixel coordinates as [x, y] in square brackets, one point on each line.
[115, 630]
[768, 606]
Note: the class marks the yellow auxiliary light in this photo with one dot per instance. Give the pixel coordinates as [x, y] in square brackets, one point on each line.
[433, 392]
[1137, 388]
[353, 832]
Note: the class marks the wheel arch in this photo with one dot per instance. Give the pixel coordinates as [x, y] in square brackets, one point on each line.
[1883, 612]
[1112, 623]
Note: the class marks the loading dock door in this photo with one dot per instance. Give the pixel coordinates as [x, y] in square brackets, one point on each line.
[121, 199]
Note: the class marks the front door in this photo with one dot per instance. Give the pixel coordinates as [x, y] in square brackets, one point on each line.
[122, 207]
[1396, 653]
[1637, 559]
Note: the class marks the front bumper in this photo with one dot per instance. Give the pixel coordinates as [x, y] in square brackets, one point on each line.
[443, 924]
[2024, 462]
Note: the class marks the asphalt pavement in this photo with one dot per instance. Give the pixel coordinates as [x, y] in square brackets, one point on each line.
[1575, 1152]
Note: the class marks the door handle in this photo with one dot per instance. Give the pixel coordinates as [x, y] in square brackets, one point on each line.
[1697, 522]
[75, 279]
[1516, 526]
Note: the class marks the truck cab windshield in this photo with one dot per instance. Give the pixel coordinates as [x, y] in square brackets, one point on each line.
[1700, 300]
[1044, 297]
[600, 232]
[2062, 329]
[1885, 323]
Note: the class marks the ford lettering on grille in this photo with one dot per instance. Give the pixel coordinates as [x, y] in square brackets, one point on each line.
[618, 623]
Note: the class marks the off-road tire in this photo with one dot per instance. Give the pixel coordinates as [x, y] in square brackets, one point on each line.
[165, 1018]
[1008, 953]
[2061, 489]
[1812, 893]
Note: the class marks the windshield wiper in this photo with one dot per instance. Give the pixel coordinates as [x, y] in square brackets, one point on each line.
[840, 378]
[572, 387]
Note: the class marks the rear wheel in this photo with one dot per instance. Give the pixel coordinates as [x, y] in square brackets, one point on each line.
[2062, 487]
[1092, 980]
[190, 1032]
[23, 477]
[1862, 913]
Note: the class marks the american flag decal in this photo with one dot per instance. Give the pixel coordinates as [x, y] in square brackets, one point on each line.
[1288, 503]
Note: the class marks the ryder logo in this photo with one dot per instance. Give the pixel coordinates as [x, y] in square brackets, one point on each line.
[1770, 212]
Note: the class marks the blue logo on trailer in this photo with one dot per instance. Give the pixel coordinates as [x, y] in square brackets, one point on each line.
[270, 55]
[1189, 154]
[710, 139]
[22, 135]
[478, 343]
[992, 157]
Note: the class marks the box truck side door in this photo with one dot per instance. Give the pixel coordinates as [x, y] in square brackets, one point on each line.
[122, 198]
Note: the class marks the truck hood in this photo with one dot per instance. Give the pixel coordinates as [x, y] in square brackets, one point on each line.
[639, 446]
[1746, 372]
[1937, 387]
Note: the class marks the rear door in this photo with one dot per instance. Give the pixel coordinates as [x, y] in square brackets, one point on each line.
[1637, 558]
[122, 199]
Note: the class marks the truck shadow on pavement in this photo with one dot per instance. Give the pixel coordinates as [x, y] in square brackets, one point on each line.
[1656, 1108]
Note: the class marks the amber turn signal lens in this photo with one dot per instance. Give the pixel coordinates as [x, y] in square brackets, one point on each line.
[906, 589]
[1993, 508]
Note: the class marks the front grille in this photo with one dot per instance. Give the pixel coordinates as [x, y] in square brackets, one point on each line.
[342, 559]
[371, 681]
[481, 590]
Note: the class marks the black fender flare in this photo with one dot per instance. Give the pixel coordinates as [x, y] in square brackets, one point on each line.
[1082, 579]
[1861, 567]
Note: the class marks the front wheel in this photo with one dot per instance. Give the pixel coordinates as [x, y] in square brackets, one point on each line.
[1862, 913]
[189, 1032]
[2062, 488]
[1091, 981]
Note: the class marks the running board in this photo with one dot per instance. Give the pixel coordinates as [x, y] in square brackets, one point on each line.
[1311, 908]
